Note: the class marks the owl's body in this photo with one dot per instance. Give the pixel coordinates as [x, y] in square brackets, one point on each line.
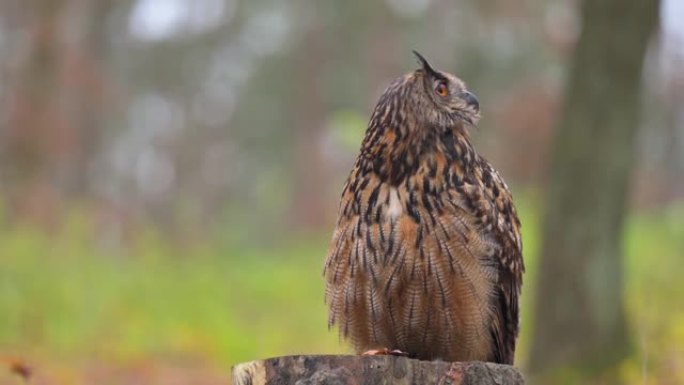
[426, 256]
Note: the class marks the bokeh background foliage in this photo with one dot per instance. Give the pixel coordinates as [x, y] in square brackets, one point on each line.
[169, 172]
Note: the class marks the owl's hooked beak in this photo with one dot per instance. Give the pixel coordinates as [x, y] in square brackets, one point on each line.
[426, 66]
[470, 99]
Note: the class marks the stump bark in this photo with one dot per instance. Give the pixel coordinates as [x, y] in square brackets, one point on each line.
[387, 370]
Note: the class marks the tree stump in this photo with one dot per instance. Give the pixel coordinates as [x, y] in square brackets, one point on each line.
[387, 370]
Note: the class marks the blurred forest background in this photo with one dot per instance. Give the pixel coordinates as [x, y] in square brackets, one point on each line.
[169, 173]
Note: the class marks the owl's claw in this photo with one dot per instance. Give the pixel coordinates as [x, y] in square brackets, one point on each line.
[384, 352]
[454, 375]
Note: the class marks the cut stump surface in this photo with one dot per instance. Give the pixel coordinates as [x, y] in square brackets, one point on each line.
[361, 370]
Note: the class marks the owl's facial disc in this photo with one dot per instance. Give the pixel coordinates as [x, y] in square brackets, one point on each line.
[451, 97]
[453, 101]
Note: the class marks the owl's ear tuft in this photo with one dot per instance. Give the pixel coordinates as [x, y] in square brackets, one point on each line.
[426, 66]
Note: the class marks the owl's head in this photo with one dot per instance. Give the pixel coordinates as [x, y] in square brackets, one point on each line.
[421, 113]
[441, 98]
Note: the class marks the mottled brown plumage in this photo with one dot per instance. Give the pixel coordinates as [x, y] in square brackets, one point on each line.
[426, 256]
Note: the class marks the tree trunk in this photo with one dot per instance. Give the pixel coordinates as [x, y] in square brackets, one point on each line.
[82, 95]
[32, 137]
[53, 103]
[389, 370]
[309, 207]
[579, 309]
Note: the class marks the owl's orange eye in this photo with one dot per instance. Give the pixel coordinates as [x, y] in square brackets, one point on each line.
[442, 89]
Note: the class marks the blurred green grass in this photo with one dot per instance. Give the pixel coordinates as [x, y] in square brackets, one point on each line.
[61, 295]
[155, 301]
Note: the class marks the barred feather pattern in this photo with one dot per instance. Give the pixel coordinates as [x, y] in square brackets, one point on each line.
[426, 256]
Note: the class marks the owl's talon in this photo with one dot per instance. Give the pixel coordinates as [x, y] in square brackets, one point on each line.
[384, 352]
[454, 375]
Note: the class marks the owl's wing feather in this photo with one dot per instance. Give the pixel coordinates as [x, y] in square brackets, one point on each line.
[492, 201]
[379, 270]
